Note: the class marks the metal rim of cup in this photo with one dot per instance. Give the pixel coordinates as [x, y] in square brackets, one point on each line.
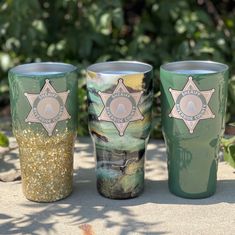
[214, 67]
[134, 66]
[43, 67]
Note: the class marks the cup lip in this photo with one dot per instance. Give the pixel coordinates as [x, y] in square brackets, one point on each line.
[29, 69]
[113, 66]
[213, 66]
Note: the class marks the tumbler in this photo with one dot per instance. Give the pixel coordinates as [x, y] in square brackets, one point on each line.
[120, 97]
[44, 118]
[193, 99]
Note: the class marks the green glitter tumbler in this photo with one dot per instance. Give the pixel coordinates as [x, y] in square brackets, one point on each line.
[119, 105]
[44, 118]
[193, 99]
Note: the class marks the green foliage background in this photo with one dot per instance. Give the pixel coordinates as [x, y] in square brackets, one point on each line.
[82, 32]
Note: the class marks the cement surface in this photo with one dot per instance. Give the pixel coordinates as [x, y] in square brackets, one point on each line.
[85, 212]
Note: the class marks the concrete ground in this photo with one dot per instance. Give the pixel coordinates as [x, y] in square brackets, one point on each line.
[85, 212]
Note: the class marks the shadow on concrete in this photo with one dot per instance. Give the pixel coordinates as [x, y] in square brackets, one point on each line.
[85, 205]
[225, 193]
[9, 160]
[7, 163]
[82, 207]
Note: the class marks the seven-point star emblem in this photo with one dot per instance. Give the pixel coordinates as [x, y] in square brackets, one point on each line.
[48, 107]
[191, 104]
[121, 107]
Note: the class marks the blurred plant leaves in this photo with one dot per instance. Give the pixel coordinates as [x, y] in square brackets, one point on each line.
[82, 32]
[4, 142]
[229, 150]
[229, 155]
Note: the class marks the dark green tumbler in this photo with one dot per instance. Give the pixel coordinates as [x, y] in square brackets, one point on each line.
[193, 98]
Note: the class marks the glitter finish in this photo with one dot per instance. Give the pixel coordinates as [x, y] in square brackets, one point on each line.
[44, 119]
[46, 165]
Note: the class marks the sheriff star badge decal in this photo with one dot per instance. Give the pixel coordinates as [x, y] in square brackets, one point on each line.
[121, 107]
[47, 107]
[191, 104]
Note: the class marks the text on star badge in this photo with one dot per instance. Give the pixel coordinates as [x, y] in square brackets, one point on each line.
[191, 104]
[47, 107]
[120, 107]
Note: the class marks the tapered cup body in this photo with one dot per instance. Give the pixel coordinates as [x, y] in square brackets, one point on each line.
[119, 106]
[44, 118]
[193, 99]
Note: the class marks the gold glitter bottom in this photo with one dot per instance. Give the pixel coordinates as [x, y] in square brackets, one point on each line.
[46, 165]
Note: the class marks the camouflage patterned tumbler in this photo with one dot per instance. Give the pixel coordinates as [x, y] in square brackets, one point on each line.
[119, 105]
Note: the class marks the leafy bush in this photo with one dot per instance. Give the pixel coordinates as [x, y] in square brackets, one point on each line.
[82, 32]
[4, 142]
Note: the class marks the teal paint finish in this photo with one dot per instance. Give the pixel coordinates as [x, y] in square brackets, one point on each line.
[193, 157]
